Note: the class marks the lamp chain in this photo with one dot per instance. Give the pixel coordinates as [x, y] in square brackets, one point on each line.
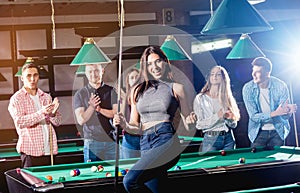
[121, 14]
[53, 26]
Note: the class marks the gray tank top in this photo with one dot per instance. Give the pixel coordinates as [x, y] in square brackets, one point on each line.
[157, 103]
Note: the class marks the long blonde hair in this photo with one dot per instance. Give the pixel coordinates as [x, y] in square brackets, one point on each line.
[226, 98]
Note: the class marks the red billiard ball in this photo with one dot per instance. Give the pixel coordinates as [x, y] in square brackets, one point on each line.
[18, 170]
[77, 172]
[100, 168]
[108, 174]
[223, 152]
[72, 173]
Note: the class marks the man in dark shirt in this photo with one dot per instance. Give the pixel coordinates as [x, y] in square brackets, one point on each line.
[95, 105]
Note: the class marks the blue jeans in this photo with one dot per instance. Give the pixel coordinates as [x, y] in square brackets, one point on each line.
[160, 150]
[218, 142]
[130, 146]
[267, 138]
[95, 151]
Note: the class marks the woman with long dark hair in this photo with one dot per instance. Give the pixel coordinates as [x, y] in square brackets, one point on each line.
[154, 103]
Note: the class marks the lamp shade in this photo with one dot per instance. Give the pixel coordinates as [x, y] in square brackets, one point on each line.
[138, 65]
[80, 70]
[43, 73]
[28, 60]
[2, 78]
[19, 73]
[173, 50]
[245, 48]
[235, 17]
[90, 53]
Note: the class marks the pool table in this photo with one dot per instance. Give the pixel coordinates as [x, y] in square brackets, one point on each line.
[69, 151]
[210, 171]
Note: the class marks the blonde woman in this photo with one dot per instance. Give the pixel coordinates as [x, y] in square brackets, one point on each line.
[217, 111]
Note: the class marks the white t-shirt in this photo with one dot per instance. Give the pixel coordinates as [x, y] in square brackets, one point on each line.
[43, 123]
[265, 107]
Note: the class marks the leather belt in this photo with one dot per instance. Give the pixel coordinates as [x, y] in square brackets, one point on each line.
[214, 133]
[125, 132]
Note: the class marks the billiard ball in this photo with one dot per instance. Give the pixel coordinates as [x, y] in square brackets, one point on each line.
[242, 160]
[61, 179]
[18, 170]
[77, 172]
[100, 168]
[223, 152]
[108, 174]
[49, 178]
[72, 173]
[94, 168]
[123, 172]
[253, 150]
[119, 173]
[177, 168]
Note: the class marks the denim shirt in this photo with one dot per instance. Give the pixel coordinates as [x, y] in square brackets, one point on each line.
[278, 94]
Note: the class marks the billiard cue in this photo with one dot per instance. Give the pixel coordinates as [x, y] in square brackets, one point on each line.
[51, 144]
[294, 116]
[121, 23]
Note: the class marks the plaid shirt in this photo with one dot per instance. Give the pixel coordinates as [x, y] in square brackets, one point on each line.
[27, 122]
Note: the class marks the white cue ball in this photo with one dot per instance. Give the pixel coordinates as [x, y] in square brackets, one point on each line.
[94, 168]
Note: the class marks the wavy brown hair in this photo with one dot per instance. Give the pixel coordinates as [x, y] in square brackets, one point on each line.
[146, 79]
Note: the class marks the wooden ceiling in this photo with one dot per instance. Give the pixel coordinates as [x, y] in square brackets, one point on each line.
[23, 8]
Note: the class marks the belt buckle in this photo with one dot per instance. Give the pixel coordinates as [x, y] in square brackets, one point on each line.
[212, 133]
[222, 133]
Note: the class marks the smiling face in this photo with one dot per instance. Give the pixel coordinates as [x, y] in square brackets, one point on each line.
[94, 73]
[155, 66]
[259, 75]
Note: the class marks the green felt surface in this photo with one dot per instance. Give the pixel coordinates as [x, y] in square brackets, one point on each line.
[215, 159]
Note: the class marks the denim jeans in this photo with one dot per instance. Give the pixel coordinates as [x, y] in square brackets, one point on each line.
[218, 142]
[130, 147]
[159, 145]
[95, 151]
[267, 138]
